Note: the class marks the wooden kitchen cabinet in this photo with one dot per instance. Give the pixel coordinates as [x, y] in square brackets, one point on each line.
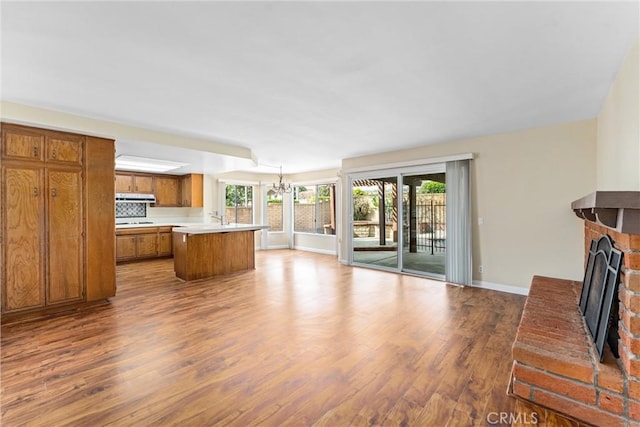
[125, 247]
[100, 228]
[51, 234]
[165, 241]
[147, 245]
[192, 189]
[64, 148]
[32, 144]
[143, 184]
[22, 143]
[170, 190]
[23, 240]
[127, 182]
[143, 242]
[167, 191]
[43, 227]
[124, 183]
[136, 243]
[64, 234]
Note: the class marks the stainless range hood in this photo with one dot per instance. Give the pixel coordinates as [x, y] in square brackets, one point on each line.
[135, 198]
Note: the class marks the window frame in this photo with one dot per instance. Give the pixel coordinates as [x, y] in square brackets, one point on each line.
[294, 197]
[251, 201]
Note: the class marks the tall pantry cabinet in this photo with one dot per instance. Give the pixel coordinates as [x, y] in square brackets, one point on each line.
[58, 220]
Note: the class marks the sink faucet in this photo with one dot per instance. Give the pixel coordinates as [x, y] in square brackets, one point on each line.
[220, 218]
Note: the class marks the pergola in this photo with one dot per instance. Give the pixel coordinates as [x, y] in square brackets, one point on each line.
[413, 182]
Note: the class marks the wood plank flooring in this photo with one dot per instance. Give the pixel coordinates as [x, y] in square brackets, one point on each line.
[301, 340]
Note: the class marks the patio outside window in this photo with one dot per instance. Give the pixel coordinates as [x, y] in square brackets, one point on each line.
[314, 209]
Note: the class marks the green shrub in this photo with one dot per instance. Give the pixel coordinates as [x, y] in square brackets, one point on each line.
[360, 207]
[432, 187]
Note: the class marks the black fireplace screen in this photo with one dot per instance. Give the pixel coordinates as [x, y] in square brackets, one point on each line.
[599, 296]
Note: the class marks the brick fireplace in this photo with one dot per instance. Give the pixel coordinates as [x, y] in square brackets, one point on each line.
[555, 363]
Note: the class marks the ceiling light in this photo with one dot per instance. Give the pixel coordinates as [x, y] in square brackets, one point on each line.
[281, 187]
[142, 164]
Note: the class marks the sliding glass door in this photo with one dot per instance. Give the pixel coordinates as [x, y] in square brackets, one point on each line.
[424, 224]
[423, 229]
[374, 222]
[400, 230]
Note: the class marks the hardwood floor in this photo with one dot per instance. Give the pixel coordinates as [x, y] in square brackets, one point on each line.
[301, 340]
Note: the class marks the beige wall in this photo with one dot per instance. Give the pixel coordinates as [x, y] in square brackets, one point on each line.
[522, 186]
[618, 145]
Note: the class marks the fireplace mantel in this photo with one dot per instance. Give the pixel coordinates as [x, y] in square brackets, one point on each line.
[619, 210]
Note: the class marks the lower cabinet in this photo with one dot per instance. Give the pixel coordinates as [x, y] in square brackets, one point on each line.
[165, 243]
[147, 245]
[142, 243]
[125, 247]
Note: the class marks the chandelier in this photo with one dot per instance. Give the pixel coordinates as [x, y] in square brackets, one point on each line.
[281, 187]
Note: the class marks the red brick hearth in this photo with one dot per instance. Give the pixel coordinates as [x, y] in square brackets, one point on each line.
[555, 363]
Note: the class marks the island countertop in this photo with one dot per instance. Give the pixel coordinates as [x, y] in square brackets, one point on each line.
[217, 228]
[213, 250]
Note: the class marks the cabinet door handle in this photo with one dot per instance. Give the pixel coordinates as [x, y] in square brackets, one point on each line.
[35, 191]
[54, 192]
[53, 154]
[35, 151]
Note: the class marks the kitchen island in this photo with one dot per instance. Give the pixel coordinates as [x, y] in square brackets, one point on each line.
[213, 250]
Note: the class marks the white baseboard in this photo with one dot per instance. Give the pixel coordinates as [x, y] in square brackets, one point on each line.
[501, 288]
[270, 247]
[318, 251]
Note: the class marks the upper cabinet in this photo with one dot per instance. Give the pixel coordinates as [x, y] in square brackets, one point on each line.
[21, 143]
[64, 148]
[167, 191]
[29, 144]
[127, 182]
[143, 184]
[192, 190]
[170, 190]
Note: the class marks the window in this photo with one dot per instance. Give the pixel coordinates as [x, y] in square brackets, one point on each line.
[239, 204]
[314, 209]
[274, 211]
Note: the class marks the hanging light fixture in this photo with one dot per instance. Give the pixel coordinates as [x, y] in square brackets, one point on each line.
[281, 188]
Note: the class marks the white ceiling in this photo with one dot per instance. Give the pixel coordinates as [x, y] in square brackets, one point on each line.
[306, 84]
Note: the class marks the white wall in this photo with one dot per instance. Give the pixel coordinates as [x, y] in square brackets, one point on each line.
[618, 146]
[320, 243]
[522, 186]
[175, 214]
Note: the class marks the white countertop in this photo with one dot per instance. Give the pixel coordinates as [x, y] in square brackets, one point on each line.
[163, 224]
[217, 228]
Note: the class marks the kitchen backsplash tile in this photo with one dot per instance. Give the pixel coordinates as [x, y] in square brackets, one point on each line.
[131, 210]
